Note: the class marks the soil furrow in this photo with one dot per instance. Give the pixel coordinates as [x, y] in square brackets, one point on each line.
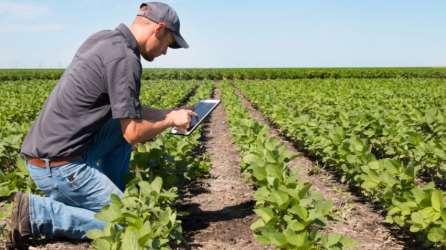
[354, 218]
[62, 246]
[221, 207]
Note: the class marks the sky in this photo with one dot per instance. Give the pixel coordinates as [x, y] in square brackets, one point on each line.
[360, 33]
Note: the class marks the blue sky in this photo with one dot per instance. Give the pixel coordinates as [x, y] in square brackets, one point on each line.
[239, 33]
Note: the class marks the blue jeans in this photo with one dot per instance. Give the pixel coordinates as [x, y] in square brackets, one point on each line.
[76, 191]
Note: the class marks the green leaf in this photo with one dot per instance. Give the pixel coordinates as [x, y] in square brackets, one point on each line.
[443, 216]
[157, 184]
[296, 226]
[277, 238]
[251, 158]
[257, 224]
[280, 197]
[103, 244]
[6, 191]
[265, 213]
[262, 194]
[145, 188]
[436, 200]
[299, 211]
[333, 239]
[436, 234]
[95, 234]
[145, 233]
[130, 239]
[109, 213]
[356, 144]
[262, 239]
[347, 242]
[259, 173]
[271, 180]
[295, 239]
[423, 218]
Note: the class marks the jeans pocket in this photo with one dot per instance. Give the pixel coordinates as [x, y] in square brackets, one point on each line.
[76, 175]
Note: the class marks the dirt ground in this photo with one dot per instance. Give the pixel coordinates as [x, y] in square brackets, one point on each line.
[62, 246]
[220, 206]
[354, 217]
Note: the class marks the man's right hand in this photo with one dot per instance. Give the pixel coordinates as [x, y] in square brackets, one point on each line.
[154, 122]
[180, 118]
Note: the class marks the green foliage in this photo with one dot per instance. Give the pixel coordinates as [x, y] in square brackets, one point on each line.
[142, 219]
[171, 156]
[291, 216]
[380, 135]
[21, 103]
[245, 73]
[18, 180]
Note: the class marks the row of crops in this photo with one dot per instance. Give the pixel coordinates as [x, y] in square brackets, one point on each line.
[291, 215]
[386, 137]
[243, 73]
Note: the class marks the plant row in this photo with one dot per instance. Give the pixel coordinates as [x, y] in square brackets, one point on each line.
[244, 73]
[399, 119]
[377, 134]
[291, 215]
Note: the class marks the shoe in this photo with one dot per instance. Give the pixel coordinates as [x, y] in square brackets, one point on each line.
[19, 224]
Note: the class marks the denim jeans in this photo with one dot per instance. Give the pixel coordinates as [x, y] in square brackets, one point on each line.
[76, 191]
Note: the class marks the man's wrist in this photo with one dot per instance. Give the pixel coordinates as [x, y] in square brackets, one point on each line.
[169, 120]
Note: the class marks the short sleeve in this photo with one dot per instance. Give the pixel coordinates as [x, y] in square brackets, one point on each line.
[123, 85]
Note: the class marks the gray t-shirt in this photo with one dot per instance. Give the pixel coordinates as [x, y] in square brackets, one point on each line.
[101, 82]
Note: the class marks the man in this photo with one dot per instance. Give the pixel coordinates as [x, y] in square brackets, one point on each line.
[78, 150]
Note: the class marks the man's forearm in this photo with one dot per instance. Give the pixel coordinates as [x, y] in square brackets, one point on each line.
[153, 122]
[156, 120]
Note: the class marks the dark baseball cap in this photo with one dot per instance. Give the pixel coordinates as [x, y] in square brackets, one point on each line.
[161, 12]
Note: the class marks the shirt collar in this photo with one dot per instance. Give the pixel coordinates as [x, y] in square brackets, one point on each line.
[130, 39]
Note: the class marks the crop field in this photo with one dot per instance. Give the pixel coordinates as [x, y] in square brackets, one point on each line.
[351, 158]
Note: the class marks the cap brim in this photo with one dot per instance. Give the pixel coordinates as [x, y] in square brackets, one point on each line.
[179, 42]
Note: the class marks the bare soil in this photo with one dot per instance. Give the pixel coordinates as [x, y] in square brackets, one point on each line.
[220, 206]
[354, 218]
[62, 246]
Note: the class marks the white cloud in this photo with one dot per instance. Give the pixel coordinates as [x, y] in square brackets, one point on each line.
[24, 10]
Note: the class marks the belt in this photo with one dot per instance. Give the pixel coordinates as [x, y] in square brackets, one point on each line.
[43, 163]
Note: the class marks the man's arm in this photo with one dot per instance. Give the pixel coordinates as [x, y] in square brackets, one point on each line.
[153, 123]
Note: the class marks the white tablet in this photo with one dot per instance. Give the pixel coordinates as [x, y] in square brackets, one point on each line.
[202, 109]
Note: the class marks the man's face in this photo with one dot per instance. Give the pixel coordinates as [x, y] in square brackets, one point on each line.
[157, 44]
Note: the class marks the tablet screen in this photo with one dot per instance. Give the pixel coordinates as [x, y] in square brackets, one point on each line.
[202, 109]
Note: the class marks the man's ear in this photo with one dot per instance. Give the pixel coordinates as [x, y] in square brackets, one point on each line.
[160, 29]
[160, 26]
